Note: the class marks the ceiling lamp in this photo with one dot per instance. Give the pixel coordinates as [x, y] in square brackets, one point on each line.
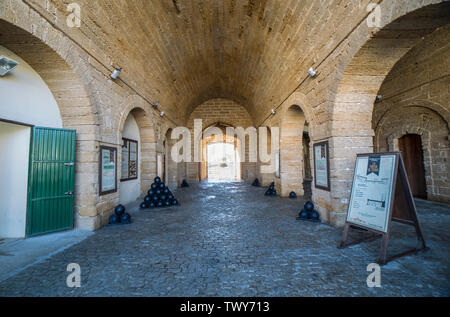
[273, 111]
[162, 114]
[312, 72]
[116, 73]
[7, 65]
[155, 104]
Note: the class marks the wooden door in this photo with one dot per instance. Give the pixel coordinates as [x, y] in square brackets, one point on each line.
[411, 147]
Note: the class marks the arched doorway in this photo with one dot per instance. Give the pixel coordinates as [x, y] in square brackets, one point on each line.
[221, 157]
[130, 172]
[170, 166]
[292, 151]
[58, 100]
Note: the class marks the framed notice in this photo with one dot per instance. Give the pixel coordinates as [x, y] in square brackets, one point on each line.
[322, 165]
[371, 197]
[129, 168]
[108, 170]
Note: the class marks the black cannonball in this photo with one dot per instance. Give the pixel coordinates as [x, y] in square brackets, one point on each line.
[170, 196]
[184, 183]
[315, 216]
[163, 197]
[125, 218]
[162, 186]
[147, 199]
[159, 204]
[144, 206]
[151, 192]
[292, 195]
[304, 214]
[154, 186]
[152, 204]
[166, 191]
[274, 192]
[119, 210]
[158, 192]
[268, 192]
[114, 219]
[167, 203]
[309, 206]
[157, 180]
[175, 202]
[155, 198]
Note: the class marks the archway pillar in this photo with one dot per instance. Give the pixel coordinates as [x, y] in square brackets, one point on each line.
[351, 134]
[291, 157]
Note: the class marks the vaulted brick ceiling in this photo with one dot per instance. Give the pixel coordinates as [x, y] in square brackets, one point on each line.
[185, 52]
[182, 52]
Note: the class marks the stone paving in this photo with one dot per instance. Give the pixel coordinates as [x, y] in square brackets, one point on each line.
[230, 240]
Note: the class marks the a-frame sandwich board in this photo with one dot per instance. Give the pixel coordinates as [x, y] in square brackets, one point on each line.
[373, 207]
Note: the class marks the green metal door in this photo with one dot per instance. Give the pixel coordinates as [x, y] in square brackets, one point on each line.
[51, 181]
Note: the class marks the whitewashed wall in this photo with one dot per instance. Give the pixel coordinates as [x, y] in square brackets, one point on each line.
[25, 97]
[130, 190]
[14, 150]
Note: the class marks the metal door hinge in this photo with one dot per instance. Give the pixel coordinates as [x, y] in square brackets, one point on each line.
[69, 164]
[69, 193]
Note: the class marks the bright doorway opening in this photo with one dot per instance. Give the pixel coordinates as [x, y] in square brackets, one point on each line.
[223, 162]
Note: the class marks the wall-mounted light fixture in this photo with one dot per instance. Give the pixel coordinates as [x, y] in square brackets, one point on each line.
[312, 72]
[7, 65]
[116, 73]
[155, 104]
[162, 114]
[379, 98]
[273, 111]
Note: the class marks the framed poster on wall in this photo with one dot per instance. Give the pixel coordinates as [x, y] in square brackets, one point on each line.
[322, 165]
[108, 170]
[129, 168]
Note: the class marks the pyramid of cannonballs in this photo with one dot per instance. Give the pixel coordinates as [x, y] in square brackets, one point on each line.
[271, 191]
[159, 196]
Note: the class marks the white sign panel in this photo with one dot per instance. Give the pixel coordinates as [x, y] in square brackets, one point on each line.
[371, 196]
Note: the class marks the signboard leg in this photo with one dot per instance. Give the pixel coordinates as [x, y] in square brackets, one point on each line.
[344, 236]
[384, 246]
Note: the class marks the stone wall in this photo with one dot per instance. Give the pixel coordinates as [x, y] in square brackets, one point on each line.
[416, 100]
[254, 52]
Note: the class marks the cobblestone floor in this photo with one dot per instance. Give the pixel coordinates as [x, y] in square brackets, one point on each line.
[230, 240]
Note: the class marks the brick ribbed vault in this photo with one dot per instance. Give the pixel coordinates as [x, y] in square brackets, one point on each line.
[255, 52]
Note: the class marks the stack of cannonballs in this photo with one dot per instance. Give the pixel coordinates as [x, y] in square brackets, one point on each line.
[256, 183]
[159, 196]
[271, 191]
[120, 217]
[309, 213]
[184, 184]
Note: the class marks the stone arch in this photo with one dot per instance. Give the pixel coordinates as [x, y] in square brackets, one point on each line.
[433, 129]
[298, 99]
[291, 150]
[226, 112]
[171, 167]
[435, 107]
[147, 161]
[38, 44]
[371, 53]
[267, 170]
[208, 137]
